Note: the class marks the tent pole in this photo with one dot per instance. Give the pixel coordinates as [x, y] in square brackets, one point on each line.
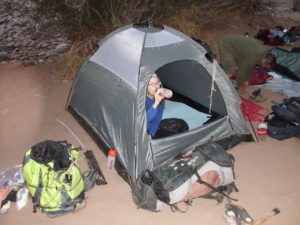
[256, 138]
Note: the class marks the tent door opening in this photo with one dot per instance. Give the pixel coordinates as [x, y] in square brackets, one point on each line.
[190, 83]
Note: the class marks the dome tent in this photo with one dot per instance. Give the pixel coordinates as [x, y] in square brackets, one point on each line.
[109, 94]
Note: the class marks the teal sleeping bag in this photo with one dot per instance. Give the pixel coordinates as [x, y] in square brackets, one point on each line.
[288, 63]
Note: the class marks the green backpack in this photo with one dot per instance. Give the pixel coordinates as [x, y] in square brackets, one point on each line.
[53, 177]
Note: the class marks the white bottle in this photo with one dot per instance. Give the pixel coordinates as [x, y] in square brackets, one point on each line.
[111, 158]
[262, 130]
[168, 93]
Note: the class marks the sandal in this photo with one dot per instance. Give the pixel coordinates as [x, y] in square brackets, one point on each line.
[258, 98]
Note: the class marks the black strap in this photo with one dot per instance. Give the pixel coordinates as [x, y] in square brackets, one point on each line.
[219, 189]
[175, 208]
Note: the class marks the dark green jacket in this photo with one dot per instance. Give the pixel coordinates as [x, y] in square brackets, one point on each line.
[241, 53]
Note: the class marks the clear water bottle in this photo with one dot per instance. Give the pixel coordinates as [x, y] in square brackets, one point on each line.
[168, 93]
[111, 158]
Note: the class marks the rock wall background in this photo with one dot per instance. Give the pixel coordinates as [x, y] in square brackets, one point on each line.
[31, 37]
[279, 7]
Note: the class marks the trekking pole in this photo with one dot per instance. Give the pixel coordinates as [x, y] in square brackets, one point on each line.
[250, 123]
[93, 164]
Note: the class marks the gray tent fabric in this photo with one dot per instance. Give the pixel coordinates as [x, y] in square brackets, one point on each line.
[109, 94]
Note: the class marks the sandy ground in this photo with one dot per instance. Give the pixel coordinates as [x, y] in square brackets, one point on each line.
[32, 104]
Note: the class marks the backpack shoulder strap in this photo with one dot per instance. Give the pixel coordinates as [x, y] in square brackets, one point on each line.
[219, 190]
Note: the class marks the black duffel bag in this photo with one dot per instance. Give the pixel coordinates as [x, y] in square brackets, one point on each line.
[282, 129]
[171, 126]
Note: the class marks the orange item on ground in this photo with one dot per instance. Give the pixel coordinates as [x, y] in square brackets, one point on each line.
[4, 192]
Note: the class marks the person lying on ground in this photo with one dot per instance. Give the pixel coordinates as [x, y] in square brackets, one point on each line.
[240, 54]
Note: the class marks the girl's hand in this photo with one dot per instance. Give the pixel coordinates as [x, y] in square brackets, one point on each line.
[158, 97]
[232, 76]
